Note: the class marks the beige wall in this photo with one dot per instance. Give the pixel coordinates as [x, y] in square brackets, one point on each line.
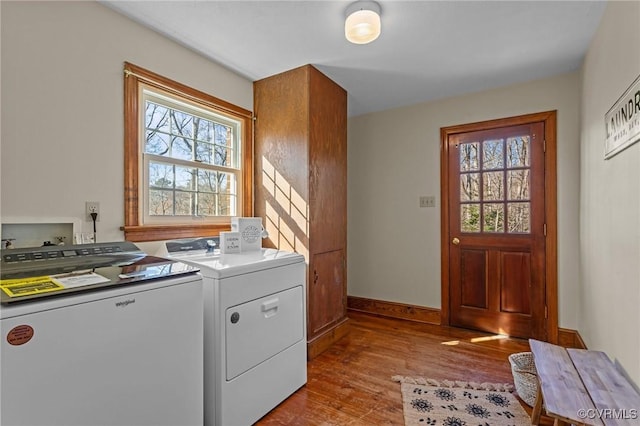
[610, 198]
[62, 105]
[394, 157]
[61, 145]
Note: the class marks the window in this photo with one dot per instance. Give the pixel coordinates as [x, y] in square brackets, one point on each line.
[494, 181]
[188, 160]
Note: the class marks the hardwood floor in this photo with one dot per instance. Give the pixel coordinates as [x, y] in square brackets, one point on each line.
[350, 383]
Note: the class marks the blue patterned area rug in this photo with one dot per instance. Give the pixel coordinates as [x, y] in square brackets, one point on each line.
[446, 403]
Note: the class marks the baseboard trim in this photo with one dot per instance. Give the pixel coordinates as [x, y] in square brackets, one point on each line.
[569, 338]
[322, 342]
[394, 310]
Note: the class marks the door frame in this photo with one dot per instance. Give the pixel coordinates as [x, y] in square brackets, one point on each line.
[550, 210]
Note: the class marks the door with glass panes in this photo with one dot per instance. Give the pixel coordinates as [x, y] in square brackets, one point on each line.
[496, 232]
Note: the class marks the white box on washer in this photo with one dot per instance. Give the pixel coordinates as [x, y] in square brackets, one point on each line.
[229, 242]
[250, 229]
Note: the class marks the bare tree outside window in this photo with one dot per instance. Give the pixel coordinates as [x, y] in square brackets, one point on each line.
[495, 185]
[189, 155]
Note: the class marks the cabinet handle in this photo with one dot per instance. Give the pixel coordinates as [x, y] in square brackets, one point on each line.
[315, 277]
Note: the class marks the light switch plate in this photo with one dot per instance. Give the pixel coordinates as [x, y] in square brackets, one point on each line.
[427, 201]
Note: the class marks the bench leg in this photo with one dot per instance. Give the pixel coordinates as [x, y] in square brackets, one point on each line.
[537, 408]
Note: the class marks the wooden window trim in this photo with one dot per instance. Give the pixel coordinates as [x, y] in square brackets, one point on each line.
[134, 229]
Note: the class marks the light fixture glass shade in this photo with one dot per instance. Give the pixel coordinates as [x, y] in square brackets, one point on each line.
[362, 25]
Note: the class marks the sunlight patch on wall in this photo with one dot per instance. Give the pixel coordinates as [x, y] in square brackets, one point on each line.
[283, 192]
[286, 212]
[300, 211]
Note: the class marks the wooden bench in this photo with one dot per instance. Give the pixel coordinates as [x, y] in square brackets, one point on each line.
[582, 387]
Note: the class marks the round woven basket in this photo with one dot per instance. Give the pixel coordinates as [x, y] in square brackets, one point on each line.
[525, 376]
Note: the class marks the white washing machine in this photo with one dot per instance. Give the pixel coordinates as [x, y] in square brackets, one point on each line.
[99, 335]
[254, 329]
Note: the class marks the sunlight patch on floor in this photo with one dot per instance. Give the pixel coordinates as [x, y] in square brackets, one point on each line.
[488, 338]
[477, 339]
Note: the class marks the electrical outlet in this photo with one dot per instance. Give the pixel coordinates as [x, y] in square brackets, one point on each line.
[427, 201]
[92, 207]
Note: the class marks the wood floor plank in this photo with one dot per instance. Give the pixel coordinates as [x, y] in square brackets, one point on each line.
[350, 383]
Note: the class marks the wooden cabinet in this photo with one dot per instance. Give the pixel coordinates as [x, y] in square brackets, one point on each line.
[300, 158]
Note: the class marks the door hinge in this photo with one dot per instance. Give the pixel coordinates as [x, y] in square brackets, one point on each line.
[544, 229]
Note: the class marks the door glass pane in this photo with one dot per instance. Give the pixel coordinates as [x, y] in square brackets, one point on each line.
[495, 185]
[518, 184]
[470, 218]
[493, 218]
[492, 154]
[492, 183]
[470, 187]
[518, 151]
[519, 215]
[469, 156]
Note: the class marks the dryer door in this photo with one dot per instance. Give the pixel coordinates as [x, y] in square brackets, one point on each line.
[257, 330]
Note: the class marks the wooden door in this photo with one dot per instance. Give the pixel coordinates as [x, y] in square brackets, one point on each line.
[496, 229]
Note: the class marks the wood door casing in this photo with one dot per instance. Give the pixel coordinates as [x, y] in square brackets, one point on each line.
[509, 286]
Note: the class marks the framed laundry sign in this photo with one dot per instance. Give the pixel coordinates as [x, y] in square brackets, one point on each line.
[622, 121]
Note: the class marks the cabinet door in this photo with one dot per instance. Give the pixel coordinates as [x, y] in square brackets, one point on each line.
[327, 165]
[327, 291]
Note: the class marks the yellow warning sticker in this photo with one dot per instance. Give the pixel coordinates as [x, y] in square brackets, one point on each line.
[29, 286]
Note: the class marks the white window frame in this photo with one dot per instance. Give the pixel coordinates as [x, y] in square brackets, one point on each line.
[148, 93]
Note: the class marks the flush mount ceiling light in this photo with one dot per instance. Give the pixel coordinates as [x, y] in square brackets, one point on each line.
[362, 25]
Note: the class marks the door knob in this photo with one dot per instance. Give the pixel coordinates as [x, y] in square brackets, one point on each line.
[455, 241]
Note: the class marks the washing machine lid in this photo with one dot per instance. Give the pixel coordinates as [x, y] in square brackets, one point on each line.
[34, 273]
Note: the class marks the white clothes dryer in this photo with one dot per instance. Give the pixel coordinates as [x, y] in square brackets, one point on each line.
[254, 329]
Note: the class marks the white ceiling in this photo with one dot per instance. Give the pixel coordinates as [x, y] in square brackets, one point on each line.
[428, 49]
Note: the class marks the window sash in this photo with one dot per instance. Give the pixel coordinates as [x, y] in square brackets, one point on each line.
[196, 216]
[163, 99]
[191, 109]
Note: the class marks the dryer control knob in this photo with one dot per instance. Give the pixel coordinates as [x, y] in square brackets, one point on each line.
[235, 317]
